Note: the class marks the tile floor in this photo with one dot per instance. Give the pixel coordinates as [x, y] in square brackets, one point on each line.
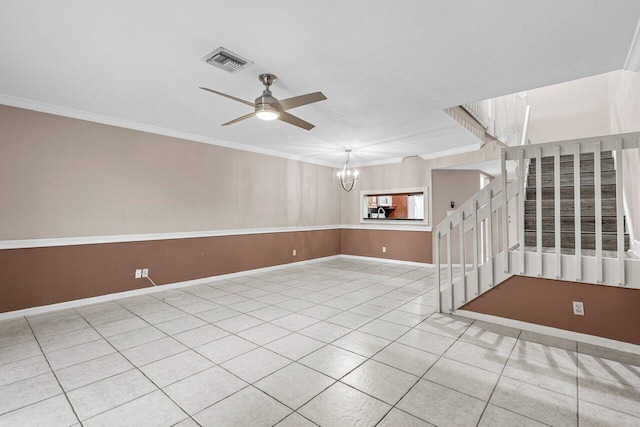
[335, 343]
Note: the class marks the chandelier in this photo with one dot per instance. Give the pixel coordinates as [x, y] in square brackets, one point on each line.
[347, 176]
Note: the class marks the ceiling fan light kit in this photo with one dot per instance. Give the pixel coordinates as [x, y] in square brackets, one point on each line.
[267, 107]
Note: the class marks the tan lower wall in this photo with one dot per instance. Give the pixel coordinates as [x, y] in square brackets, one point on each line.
[40, 276]
[412, 246]
[610, 312]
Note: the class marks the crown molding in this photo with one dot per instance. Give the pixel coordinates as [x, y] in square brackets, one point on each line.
[452, 152]
[27, 104]
[632, 62]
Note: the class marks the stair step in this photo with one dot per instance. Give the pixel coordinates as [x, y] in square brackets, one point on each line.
[567, 240]
[587, 207]
[566, 193]
[585, 166]
[566, 179]
[569, 157]
[567, 223]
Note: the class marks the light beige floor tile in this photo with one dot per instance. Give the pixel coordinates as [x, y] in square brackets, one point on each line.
[196, 307]
[370, 310]
[349, 320]
[534, 402]
[175, 368]
[15, 352]
[607, 353]
[325, 332]
[79, 353]
[403, 318]
[361, 343]
[255, 364]
[433, 343]
[52, 412]
[270, 313]
[202, 390]
[232, 412]
[120, 326]
[22, 369]
[294, 385]
[225, 348]
[217, 314]
[238, 323]
[341, 405]
[380, 381]
[384, 329]
[488, 339]
[135, 338]
[542, 375]
[397, 418]
[153, 409]
[544, 354]
[496, 416]
[295, 321]
[26, 392]
[51, 343]
[295, 420]
[441, 406]
[445, 325]
[612, 395]
[332, 361]
[319, 312]
[88, 372]
[181, 324]
[610, 370]
[187, 423]
[549, 340]
[477, 356]
[264, 334]
[106, 394]
[466, 379]
[406, 358]
[155, 350]
[598, 416]
[294, 346]
[200, 336]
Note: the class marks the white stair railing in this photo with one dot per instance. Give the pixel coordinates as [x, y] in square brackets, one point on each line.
[505, 118]
[488, 210]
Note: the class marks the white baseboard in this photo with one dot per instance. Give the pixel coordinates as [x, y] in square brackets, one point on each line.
[149, 290]
[390, 261]
[554, 332]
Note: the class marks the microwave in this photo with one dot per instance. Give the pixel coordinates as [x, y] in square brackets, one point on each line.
[384, 200]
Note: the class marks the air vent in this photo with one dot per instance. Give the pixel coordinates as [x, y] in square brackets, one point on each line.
[226, 60]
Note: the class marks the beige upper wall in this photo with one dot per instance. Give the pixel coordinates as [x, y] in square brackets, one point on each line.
[63, 177]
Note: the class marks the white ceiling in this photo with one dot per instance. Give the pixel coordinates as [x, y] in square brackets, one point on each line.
[387, 68]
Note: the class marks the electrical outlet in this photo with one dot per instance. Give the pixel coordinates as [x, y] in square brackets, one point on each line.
[145, 272]
[294, 252]
[138, 273]
[384, 249]
[578, 308]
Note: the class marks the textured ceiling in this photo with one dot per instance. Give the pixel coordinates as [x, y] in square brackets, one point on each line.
[387, 68]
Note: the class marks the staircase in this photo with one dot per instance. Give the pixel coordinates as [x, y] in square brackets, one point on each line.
[567, 194]
[569, 222]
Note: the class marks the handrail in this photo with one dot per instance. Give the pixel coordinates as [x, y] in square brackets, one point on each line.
[490, 205]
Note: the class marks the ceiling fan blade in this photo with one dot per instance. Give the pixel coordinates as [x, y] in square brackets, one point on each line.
[250, 104]
[239, 119]
[293, 120]
[298, 101]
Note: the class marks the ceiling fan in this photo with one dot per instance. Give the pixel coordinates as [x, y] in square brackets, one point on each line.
[266, 107]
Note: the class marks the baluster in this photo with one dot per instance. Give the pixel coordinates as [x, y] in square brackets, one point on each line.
[450, 265]
[577, 210]
[463, 262]
[505, 212]
[620, 212]
[475, 245]
[490, 236]
[597, 172]
[539, 209]
[520, 208]
[556, 193]
[438, 274]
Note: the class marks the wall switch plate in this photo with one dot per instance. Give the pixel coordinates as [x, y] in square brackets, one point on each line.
[384, 249]
[145, 272]
[578, 308]
[294, 252]
[138, 273]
